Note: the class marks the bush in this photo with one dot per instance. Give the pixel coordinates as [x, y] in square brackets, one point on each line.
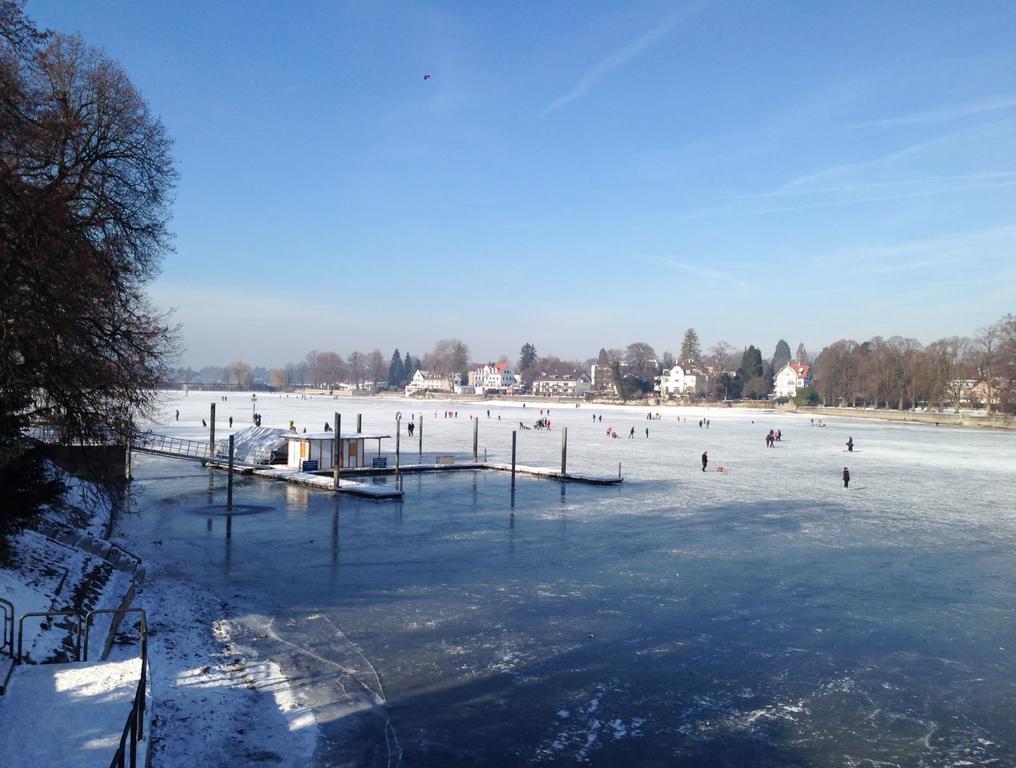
[807, 396]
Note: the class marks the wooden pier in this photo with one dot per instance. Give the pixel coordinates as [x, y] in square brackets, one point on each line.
[325, 482]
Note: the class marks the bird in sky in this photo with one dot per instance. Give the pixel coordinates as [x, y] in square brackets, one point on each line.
[426, 77]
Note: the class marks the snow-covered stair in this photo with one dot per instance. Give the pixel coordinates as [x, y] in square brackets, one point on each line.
[68, 715]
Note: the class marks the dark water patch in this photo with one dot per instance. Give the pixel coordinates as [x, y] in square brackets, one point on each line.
[239, 510]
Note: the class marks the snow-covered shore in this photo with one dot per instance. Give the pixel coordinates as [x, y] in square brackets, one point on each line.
[215, 701]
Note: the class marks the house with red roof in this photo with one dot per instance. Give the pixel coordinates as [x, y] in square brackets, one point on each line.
[791, 379]
[493, 377]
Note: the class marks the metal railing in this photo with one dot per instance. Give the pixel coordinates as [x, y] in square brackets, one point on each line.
[7, 645]
[49, 433]
[173, 446]
[20, 658]
[152, 442]
[134, 729]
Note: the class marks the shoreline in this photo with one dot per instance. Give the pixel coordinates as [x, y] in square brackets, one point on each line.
[966, 420]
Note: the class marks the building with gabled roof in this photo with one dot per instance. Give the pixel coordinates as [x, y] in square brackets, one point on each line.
[562, 385]
[493, 377]
[791, 379]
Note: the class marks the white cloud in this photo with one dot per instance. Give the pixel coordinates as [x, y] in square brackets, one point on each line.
[621, 56]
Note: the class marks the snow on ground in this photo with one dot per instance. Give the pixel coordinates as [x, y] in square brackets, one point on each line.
[67, 715]
[216, 703]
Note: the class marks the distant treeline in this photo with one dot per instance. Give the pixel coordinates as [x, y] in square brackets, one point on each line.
[894, 372]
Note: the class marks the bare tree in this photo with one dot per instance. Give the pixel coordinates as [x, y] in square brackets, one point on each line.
[239, 373]
[357, 367]
[86, 184]
[279, 379]
[723, 358]
[449, 357]
[836, 372]
[985, 351]
[296, 373]
[641, 358]
[1006, 366]
[377, 366]
[86, 180]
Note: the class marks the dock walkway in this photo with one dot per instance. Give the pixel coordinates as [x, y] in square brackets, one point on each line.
[324, 482]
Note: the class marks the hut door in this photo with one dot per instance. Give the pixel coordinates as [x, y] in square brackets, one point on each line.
[352, 453]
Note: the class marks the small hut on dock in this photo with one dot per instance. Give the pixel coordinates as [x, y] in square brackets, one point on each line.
[316, 451]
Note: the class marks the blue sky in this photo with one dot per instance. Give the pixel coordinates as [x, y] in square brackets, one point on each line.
[577, 175]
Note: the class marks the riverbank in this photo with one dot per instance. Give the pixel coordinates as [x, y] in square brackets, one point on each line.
[908, 417]
[214, 700]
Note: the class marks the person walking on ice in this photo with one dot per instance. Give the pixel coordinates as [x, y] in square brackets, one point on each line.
[705, 460]
[850, 445]
[846, 477]
[632, 433]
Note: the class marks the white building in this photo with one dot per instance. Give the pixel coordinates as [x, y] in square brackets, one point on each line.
[683, 380]
[493, 377]
[566, 385]
[318, 448]
[791, 378]
[424, 381]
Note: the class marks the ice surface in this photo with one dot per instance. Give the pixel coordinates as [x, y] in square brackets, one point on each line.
[763, 615]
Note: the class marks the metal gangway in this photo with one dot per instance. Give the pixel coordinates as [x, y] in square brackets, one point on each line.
[197, 450]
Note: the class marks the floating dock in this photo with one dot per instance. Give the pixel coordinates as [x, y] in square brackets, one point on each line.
[553, 474]
[325, 483]
[521, 469]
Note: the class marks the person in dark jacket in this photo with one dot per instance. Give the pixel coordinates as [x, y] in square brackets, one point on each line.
[850, 444]
[705, 460]
[846, 477]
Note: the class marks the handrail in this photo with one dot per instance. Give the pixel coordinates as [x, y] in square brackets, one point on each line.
[21, 629]
[130, 736]
[8, 631]
[134, 728]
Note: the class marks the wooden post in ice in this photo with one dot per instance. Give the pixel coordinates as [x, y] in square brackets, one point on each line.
[514, 436]
[398, 434]
[211, 433]
[564, 450]
[359, 423]
[229, 480]
[337, 456]
[420, 427]
[619, 470]
[476, 439]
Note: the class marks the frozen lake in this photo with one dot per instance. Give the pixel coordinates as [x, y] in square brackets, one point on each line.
[760, 616]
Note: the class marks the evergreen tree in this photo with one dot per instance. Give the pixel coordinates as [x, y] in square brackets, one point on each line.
[603, 358]
[527, 356]
[396, 372]
[751, 365]
[691, 354]
[751, 374]
[782, 355]
[802, 354]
